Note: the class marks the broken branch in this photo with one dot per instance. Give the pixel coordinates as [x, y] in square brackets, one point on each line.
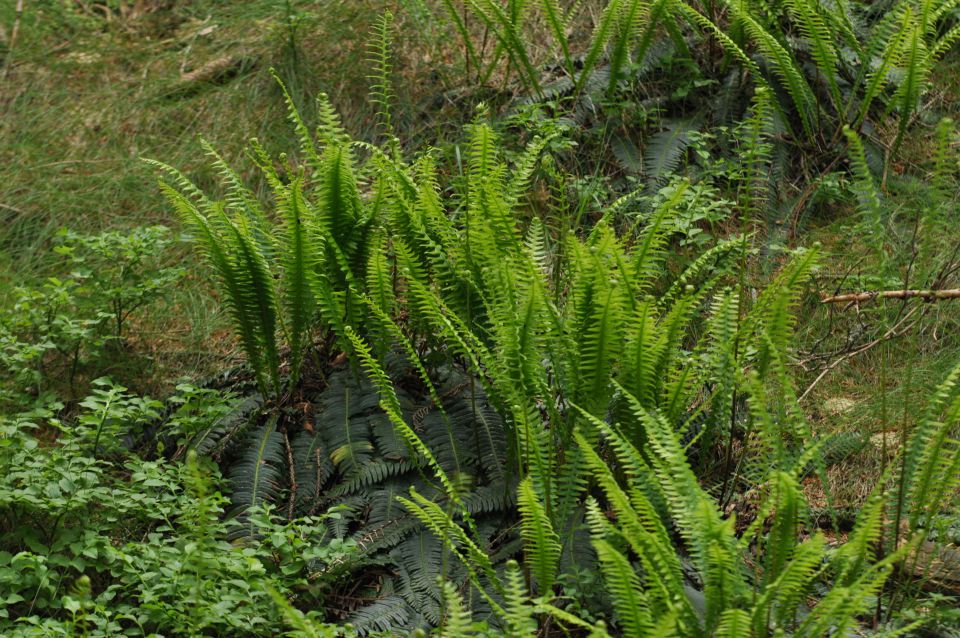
[927, 295]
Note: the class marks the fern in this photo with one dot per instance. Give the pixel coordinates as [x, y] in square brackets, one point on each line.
[381, 88]
[598, 40]
[666, 150]
[300, 305]
[784, 65]
[558, 23]
[506, 27]
[256, 478]
[456, 621]
[917, 66]
[809, 15]
[542, 545]
[241, 267]
[624, 584]
[868, 201]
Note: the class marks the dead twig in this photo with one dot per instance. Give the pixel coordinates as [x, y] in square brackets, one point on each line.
[17, 13]
[927, 295]
[894, 331]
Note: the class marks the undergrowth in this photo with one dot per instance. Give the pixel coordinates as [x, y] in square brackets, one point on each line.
[519, 318]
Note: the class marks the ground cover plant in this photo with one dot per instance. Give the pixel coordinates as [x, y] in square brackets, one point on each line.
[602, 318]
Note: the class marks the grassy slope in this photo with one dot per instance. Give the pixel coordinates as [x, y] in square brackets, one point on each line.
[85, 98]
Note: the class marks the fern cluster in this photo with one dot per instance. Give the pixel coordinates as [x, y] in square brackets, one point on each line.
[567, 371]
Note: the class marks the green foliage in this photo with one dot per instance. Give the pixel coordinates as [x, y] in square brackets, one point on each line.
[125, 546]
[496, 348]
[381, 90]
[841, 45]
[121, 270]
[71, 325]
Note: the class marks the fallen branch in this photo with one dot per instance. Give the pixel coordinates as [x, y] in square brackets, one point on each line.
[927, 295]
[217, 71]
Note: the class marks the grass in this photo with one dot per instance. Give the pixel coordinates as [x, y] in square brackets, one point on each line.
[85, 98]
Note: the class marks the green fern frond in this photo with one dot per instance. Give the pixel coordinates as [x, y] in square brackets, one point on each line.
[541, 542]
[329, 127]
[728, 44]
[623, 583]
[887, 44]
[307, 144]
[475, 560]
[299, 303]
[734, 623]
[558, 24]
[917, 64]
[246, 283]
[381, 89]
[868, 200]
[518, 612]
[456, 621]
[630, 15]
[784, 66]
[809, 16]
[601, 35]
[506, 27]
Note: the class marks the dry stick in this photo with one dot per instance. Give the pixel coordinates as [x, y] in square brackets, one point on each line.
[293, 476]
[928, 295]
[17, 12]
[889, 334]
[812, 353]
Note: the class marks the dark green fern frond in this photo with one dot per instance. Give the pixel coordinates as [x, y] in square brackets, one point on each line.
[380, 616]
[312, 467]
[664, 152]
[214, 440]
[256, 479]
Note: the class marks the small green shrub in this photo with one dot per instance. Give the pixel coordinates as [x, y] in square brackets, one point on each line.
[72, 325]
[118, 545]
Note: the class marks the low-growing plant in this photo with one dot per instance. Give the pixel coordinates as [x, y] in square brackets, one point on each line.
[119, 272]
[72, 324]
[118, 545]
